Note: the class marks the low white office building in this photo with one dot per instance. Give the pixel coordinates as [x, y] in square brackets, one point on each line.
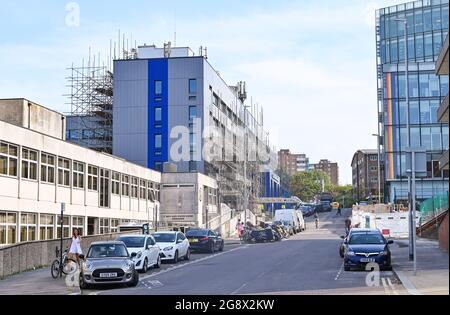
[39, 172]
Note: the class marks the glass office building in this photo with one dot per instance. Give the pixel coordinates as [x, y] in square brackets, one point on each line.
[427, 28]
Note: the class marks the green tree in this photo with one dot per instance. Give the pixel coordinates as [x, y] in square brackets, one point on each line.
[306, 185]
[344, 195]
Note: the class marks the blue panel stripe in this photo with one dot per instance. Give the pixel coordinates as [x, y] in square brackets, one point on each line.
[158, 70]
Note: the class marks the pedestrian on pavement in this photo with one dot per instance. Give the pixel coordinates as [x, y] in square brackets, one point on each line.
[339, 211]
[238, 225]
[75, 246]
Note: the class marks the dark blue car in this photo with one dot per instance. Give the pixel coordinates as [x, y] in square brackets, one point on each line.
[364, 246]
[205, 240]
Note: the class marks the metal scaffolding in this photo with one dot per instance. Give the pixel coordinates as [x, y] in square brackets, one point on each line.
[91, 101]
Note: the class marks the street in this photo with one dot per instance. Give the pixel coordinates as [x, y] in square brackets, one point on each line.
[306, 264]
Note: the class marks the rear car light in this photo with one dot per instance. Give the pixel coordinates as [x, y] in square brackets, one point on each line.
[204, 239]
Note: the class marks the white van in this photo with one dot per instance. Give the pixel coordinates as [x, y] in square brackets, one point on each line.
[301, 220]
[291, 216]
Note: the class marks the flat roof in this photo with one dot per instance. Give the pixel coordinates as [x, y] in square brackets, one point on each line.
[25, 99]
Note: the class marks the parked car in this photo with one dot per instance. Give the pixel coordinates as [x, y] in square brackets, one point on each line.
[173, 246]
[364, 246]
[306, 210]
[108, 263]
[290, 216]
[147, 252]
[205, 240]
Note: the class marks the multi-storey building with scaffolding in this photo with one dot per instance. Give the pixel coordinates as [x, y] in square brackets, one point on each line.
[173, 112]
[427, 27]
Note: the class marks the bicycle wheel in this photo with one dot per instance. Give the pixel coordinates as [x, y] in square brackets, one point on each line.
[70, 267]
[55, 269]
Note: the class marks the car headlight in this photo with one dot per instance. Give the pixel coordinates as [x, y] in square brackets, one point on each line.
[139, 255]
[168, 248]
[351, 254]
[87, 266]
[128, 266]
[384, 253]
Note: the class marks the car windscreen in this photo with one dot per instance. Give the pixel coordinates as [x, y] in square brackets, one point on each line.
[366, 239]
[133, 242]
[164, 237]
[196, 233]
[107, 251]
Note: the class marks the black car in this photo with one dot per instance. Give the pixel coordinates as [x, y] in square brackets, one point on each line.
[205, 240]
[365, 246]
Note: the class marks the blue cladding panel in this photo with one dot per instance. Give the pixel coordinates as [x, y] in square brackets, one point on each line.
[158, 71]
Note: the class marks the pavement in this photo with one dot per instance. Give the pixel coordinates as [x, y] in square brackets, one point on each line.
[37, 282]
[306, 264]
[432, 276]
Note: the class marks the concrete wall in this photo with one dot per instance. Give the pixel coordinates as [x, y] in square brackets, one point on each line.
[26, 256]
[24, 113]
[443, 234]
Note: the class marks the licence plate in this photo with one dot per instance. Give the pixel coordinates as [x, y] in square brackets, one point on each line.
[367, 260]
[108, 275]
[193, 241]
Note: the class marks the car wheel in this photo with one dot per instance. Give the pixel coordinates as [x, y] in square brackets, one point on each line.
[188, 254]
[135, 281]
[175, 258]
[341, 253]
[158, 263]
[212, 250]
[83, 284]
[145, 266]
[222, 246]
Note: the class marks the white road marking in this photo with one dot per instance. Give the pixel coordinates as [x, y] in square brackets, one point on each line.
[339, 273]
[240, 288]
[392, 286]
[385, 286]
[180, 266]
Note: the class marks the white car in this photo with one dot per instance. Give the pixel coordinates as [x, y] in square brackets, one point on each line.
[173, 245]
[301, 220]
[146, 249]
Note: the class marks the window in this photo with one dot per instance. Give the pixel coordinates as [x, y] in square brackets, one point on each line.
[373, 158]
[115, 183]
[434, 85]
[414, 112]
[426, 138]
[212, 196]
[158, 141]
[66, 227]
[418, 18]
[444, 85]
[373, 168]
[428, 41]
[374, 179]
[437, 43]
[411, 48]
[63, 172]
[419, 47]
[434, 106]
[158, 87]
[47, 168]
[125, 185]
[8, 225]
[143, 189]
[104, 188]
[436, 18]
[425, 112]
[158, 116]
[413, 85]
[29, 164]
[28, 227]
[192, 166]
[8, 159]
[157, 192]
[427, 21]
[192, 86]
[78, 175]
[104, 226]
[92, 178]
[46, 227]
[134, 187]
[394, 50]
[78, 223]
[115, 223]
[436, 140]
[151, 191]
[192, 112]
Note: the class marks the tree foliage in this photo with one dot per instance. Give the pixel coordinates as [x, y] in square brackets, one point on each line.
[306, 185]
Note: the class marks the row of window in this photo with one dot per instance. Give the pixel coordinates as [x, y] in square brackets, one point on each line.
[52, 167]
[433, 167]
[421, 47]
[420, 85]
[418, 20]
[28, 227]
[192, 87]
[89, 134]
[423, 112]
[432, 138]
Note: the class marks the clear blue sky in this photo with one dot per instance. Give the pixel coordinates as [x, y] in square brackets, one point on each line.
[310, 64]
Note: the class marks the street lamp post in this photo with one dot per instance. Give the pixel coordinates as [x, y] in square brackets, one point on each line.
[245, 162]
[379, 166]
[408, 127]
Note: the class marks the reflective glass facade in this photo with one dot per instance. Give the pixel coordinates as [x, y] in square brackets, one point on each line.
[427, 28]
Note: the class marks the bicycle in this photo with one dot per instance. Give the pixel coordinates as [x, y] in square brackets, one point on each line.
[68, 267]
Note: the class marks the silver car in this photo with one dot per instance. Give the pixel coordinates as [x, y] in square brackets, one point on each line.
[108, 263]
